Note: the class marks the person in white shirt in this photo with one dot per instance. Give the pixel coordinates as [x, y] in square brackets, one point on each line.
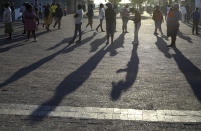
[7, 19]
[22, 10]
[78, 24]
[101, 17]
[125, 17]
[183, 12]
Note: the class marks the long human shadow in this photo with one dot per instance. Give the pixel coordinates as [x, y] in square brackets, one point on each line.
[162, 46]
[187, 38]
[71, 83]
[96, 43]
[28, 69]
[132, 71]
[19, 38]
[66, 40]
[11, 47]
[118, 43]
[190, 71]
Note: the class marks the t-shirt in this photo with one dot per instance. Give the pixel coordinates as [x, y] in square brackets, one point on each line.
[53, 8]
[101, 13]
[137, 17]
[110, 16]
[78, 19]
[125, 13]
[7, 17]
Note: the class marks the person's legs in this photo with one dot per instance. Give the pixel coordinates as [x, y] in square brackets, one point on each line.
[155, 32]
[10, 36]
[59, 23]
[108, 36]
[80, 31]
[123, 25]
[98, 25]
[196, 27]
[34, 34]
[75, 33]
[55, 24]
[126, 22]
[174, 40]
[101, 25]
[28, 34]
[87, 25]
[137, 28]
[193, 28]
[91, 25]
[160, 28]
[112, 38]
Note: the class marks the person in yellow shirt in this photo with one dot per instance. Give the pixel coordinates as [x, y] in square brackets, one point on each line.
[53, 9]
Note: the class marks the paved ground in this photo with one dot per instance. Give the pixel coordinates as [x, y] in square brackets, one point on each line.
[146, 76]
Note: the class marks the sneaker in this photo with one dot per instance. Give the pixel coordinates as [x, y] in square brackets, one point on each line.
[155, 33]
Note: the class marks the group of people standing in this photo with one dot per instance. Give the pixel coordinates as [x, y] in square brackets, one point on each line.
[31, 16]
[174, 15]
[109, 14]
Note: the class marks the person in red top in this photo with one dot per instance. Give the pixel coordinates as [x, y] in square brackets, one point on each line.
[30, 21]
[173, 18]
[158, 19]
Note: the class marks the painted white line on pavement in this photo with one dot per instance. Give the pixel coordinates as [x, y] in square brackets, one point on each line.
[102, 113]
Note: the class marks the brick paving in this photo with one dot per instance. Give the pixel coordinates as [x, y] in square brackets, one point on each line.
[147, 76]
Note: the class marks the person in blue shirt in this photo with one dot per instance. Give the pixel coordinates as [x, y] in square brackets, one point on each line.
[196, 19]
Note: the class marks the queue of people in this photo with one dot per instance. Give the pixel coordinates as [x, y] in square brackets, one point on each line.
[54, 12]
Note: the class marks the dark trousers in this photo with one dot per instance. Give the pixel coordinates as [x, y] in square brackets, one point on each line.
[100, 25]
[58, 21]
[173, 38]
[78, 29]
[125, 22]
[195, 26]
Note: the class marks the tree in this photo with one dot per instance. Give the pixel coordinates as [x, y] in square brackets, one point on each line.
[138, 3]
[115, 2]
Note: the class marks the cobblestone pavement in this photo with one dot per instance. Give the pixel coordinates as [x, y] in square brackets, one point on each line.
[144, 76]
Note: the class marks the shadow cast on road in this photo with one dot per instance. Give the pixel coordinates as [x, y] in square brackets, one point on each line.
[182, 36]
[118, 43]
[18, 38]
[96, 43]
[71, 83]
[10, 47]
[190, 71]
[132, 71]
[162, 46]
[28, 69]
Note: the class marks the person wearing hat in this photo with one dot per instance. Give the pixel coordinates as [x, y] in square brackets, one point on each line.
[110, 22]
